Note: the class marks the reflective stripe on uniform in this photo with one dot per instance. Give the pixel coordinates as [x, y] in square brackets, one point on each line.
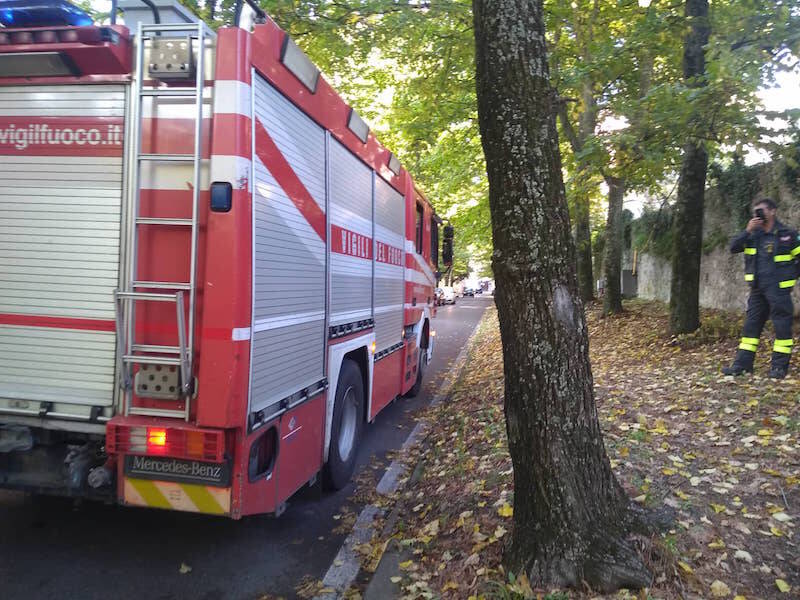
[751, 341]
[784, 342]
[749, 276]
[782, 346]
[748, 347]
[783, 257]
[749, 250]
[787, 284]
[178, 496]
[795, 250]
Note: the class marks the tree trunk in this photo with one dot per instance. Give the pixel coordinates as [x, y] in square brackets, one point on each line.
[612, 264]
[587, 123]
[687, 249]
[583, 241]
[571, 516]
[583, 231]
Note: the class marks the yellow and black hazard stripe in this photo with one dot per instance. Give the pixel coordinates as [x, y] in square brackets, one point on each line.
[170, 495]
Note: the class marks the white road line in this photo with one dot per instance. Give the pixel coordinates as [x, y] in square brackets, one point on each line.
[347, 564]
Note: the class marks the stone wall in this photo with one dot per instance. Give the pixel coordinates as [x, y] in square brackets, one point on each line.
[722, 282]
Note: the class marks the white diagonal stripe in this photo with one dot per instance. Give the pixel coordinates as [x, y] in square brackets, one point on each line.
[287, 320]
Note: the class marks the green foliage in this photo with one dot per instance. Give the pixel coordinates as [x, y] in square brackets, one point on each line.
[737, 185]
[652, 232]
[715, 326]
[716, 239]
[790, 167]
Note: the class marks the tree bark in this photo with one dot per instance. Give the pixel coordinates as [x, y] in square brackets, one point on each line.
[687, 250]
[612, 263]
[571, 516]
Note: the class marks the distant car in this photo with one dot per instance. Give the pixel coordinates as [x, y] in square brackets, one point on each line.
[448, 295]
[438, 296]
[469, 292]
[479, 291]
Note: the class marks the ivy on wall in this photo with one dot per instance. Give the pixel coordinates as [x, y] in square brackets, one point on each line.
[736, 187]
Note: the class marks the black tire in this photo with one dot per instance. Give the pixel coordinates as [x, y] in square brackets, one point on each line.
[349, 404]
[421, 364]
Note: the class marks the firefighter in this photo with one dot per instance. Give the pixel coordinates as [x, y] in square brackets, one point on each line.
[771, 251]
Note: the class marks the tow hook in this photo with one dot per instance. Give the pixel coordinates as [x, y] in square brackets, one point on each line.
[103, 475]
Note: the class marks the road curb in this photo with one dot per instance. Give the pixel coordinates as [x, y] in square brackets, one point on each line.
[346, 565]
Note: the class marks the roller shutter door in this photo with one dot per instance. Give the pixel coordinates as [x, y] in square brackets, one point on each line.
[289, 250]
[60, 208]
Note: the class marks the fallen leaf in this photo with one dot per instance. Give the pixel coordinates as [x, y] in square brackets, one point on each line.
[450, 585]
[719, 589]
[472, 559]
[685, 567]
[743, 555]
[783, 586]
[407, 565]
[782, 517]
[505, 510]
[184, 569]
[395, 579]
[432, 528]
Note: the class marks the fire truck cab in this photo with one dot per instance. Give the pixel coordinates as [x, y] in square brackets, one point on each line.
[212, 274]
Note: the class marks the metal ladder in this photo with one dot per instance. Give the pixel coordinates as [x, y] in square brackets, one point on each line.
[130, 353]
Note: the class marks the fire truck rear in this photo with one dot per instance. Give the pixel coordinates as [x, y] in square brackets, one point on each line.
[212, 275]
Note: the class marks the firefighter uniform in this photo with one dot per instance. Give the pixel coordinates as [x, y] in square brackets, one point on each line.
[771, 268]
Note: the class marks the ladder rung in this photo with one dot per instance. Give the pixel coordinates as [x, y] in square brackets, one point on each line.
[156, 349]
[168, 157]
[151, 360]
[146, 296]
[163, 285]
[156, 412]
[152, 221]
[170, 92]
[155, 27]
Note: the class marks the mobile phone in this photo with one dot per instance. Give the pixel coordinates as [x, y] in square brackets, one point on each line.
[760, 214]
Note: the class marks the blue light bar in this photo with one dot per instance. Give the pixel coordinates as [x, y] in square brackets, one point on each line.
[41, 13]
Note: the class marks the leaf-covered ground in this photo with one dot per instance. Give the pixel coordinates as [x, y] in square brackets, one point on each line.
[723, 454]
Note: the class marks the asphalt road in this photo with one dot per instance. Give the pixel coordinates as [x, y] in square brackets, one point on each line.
[50, 548]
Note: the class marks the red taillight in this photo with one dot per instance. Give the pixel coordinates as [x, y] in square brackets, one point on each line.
[178, 442]
[156, 440]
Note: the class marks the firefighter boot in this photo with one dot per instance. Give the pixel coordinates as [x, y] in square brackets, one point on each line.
[736, 369]
[743, 363]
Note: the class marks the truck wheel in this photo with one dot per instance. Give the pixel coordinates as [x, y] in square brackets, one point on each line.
[423, 362]
[348, 419]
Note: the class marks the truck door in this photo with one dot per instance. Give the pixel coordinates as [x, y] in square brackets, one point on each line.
[61, 179]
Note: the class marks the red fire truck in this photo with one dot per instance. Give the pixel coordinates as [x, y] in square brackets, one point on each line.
[212, 274]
